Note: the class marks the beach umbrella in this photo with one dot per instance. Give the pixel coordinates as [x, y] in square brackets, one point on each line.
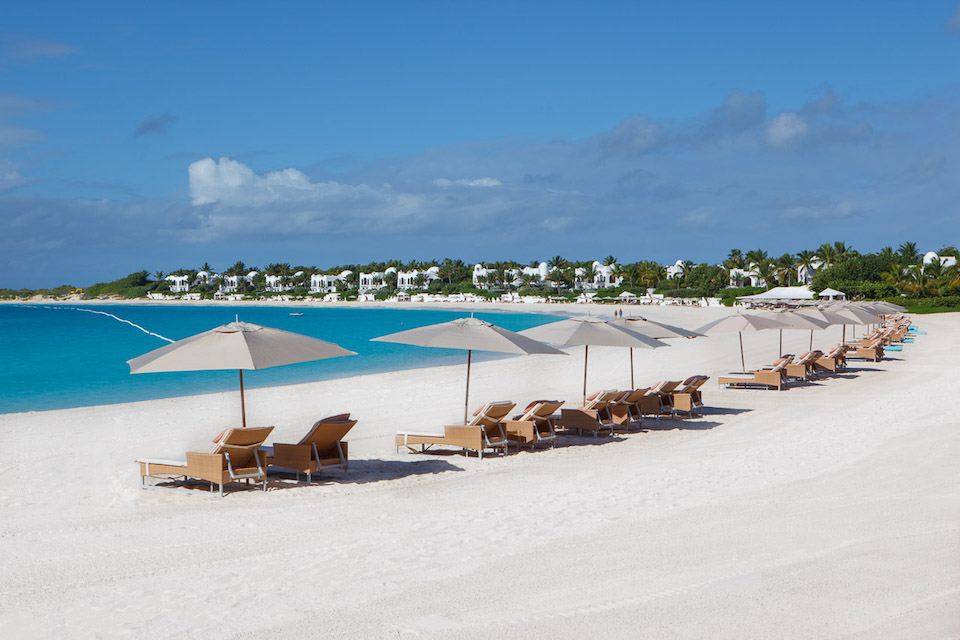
[852, 311]
[739, 322]
[828, 316]
[237, 345]
[590, 331]
[471, 334]
[651, 329]
[792, 320]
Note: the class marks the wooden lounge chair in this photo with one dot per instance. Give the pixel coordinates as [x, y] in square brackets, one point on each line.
[833, 361]
[804, 368]
[235, 456]
[484, 432]
[321, 448]
[625, 409]
[687, 398]
[873, 351]
[593, 416]
[535, 425]
[657, 401]
[773, 378]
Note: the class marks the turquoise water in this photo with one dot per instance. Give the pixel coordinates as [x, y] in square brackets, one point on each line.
[62, 357]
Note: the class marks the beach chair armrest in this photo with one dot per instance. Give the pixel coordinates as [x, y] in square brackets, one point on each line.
[205, 466]
[291, 456]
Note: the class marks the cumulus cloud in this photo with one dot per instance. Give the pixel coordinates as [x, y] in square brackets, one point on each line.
[159, 124]
[785, 130]
[443, 183]
[632, 136]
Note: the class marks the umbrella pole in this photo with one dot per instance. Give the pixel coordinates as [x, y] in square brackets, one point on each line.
[243, 408]
[466, 400]
[743, 365]
[780, 353]
[586, 352]
[631, 369]
[843, 340]
[811, 339]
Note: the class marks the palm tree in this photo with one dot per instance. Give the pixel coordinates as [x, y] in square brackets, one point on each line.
[685, 268]
[159, 275]
[420, 280]
[756, 256]
[843, 251]
[556, 262]
[766, 271]
[609, 261]
[784, 268]
[804, 263]
[908, 253]
[827, 254]
[206, 267]
[735, 258]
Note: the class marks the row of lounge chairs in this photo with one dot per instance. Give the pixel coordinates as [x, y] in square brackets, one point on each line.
[240, 456]
[813, 364]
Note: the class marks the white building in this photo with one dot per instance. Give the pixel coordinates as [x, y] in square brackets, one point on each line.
[323, 283]
[178, 284]
[932, 256]
[675, 269]
[407, 279]
[374, 281]
[230, 284]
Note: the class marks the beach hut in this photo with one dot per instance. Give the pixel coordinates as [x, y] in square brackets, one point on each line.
[832, 294]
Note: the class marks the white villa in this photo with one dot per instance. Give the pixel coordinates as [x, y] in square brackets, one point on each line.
[945, 261]
[407, 279]
[323, 283]
[602, 276]
[230, 284]
[178, 284]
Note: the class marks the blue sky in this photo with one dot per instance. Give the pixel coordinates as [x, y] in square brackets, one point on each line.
[167, 135]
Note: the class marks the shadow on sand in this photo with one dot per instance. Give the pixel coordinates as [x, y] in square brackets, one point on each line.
[363, 472]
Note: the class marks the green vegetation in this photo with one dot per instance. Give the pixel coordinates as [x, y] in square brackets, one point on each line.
[898, 275]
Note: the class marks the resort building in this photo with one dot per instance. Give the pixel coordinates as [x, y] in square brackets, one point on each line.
[178, 284]
[409, 279]
[230, 284]
[945, 261]
[323, 283]
[596, 277]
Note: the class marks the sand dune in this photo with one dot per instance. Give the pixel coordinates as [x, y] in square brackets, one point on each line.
[831, 510]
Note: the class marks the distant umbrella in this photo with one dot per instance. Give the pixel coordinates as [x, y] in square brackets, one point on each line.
[739, 323]
[238, 345]
[590, 331]
[793, 320]
[471, 334]
[651, 329]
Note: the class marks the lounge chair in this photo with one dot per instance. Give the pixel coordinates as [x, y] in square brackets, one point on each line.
[804, 368]
[872, 351]
[625, 409]
[321, 448]
[535, 425]
[485, 431]
[593, 416]
[834, 360]
[687, 398]
[774, 377]
[657, 401]
[235, 456]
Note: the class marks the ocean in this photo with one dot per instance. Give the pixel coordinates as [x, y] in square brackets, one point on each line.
[58, 357]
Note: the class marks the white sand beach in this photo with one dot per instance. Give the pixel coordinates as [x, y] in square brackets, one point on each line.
[830, 510]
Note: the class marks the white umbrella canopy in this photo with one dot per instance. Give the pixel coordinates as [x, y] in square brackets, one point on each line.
[826, 315]
[590, 331]
[740, 322]
[237, 345]
[651, 329]
[792, 320]
[471, 334]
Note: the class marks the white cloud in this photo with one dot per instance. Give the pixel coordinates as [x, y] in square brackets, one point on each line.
[443, 183]
[784, 130]
[824, 208]
[233, 183]
[9, 176]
